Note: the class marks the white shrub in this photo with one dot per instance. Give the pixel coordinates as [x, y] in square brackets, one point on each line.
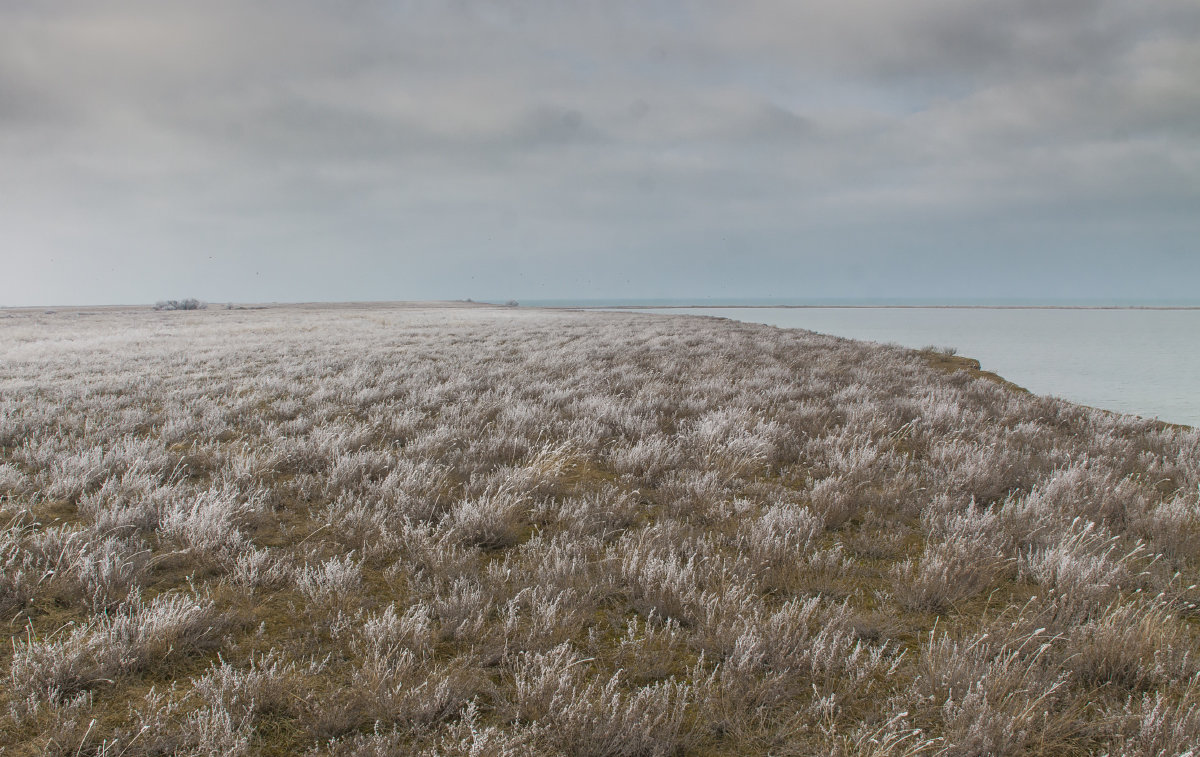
[207, 522]
[994, 695]
[331, 582]
[1086, 566]
[82, 656]
[1155, 726]
[489, 521]
[20, 571]
[596, 716]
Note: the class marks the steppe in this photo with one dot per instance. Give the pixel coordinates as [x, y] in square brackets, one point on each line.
[476, 530]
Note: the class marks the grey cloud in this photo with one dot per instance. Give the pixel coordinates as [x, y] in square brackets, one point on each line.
[555, 135]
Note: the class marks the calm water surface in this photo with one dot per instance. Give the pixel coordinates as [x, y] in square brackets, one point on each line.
[1145, 362]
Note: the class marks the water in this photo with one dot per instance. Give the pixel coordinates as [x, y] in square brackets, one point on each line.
[1144, 362]
[773, 302]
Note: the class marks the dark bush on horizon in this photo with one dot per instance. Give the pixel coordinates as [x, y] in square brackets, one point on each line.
[189, 304]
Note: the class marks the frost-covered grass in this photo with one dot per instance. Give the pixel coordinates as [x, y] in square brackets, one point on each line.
[489, 531]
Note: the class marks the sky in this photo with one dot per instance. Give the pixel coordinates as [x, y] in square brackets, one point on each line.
[243, 151]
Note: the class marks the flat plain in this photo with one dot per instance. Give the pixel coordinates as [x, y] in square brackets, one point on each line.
[479, 530]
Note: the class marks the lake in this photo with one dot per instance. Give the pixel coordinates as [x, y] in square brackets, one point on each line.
[1144, 362]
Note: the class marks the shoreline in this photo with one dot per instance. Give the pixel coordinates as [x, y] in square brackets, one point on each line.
[974, 367]
[940, 361]
[868, 307]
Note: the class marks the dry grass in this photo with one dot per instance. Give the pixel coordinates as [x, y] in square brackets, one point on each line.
[489, 531]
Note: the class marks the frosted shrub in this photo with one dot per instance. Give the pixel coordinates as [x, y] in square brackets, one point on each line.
[603, 513]
[82, 656]
[942, 577]
[312, 453]
[984, 473]
[556, 565]
[836, 500]
[538, 618]
[106, 570]
[894, 738]
[1092, 492]
[596, 717]
[663, 583]
[1173, 526]
[649, 649]
[775, 542]
[827, 564]
[396, 680]
[13, 427]
[647, 459]
[1086, 566]
[256, 567]
[469, 738]
[416, 490]
[19, 569]
[462, 608]
[207, 522]
[545, 472]
[129, 504]
[362, 524]
[263, 686]
[1155, 725]
[1131, 646]
[189, 303]
[734, 441]
[387, 681]
[168, 725]
[244, 467]
[96, 571]
[12, 481]
[432, 557]
[604, 720]
[694, 492]
[212, 731]
[490, 521]
[995, 696]
[72, 475]
[352, 469]
[540, 679]
[72, 726]
[969, 558]
[803, 646]
[385, 635]
[331, 582]
[75, 473]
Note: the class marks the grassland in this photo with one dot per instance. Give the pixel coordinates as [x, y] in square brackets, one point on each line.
[496, 531]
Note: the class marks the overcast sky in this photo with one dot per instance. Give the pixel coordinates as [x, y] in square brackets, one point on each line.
[282, 151]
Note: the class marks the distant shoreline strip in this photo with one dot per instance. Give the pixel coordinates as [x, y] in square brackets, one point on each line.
[872, 307]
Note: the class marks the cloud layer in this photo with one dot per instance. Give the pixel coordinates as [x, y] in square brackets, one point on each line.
[386, 150]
